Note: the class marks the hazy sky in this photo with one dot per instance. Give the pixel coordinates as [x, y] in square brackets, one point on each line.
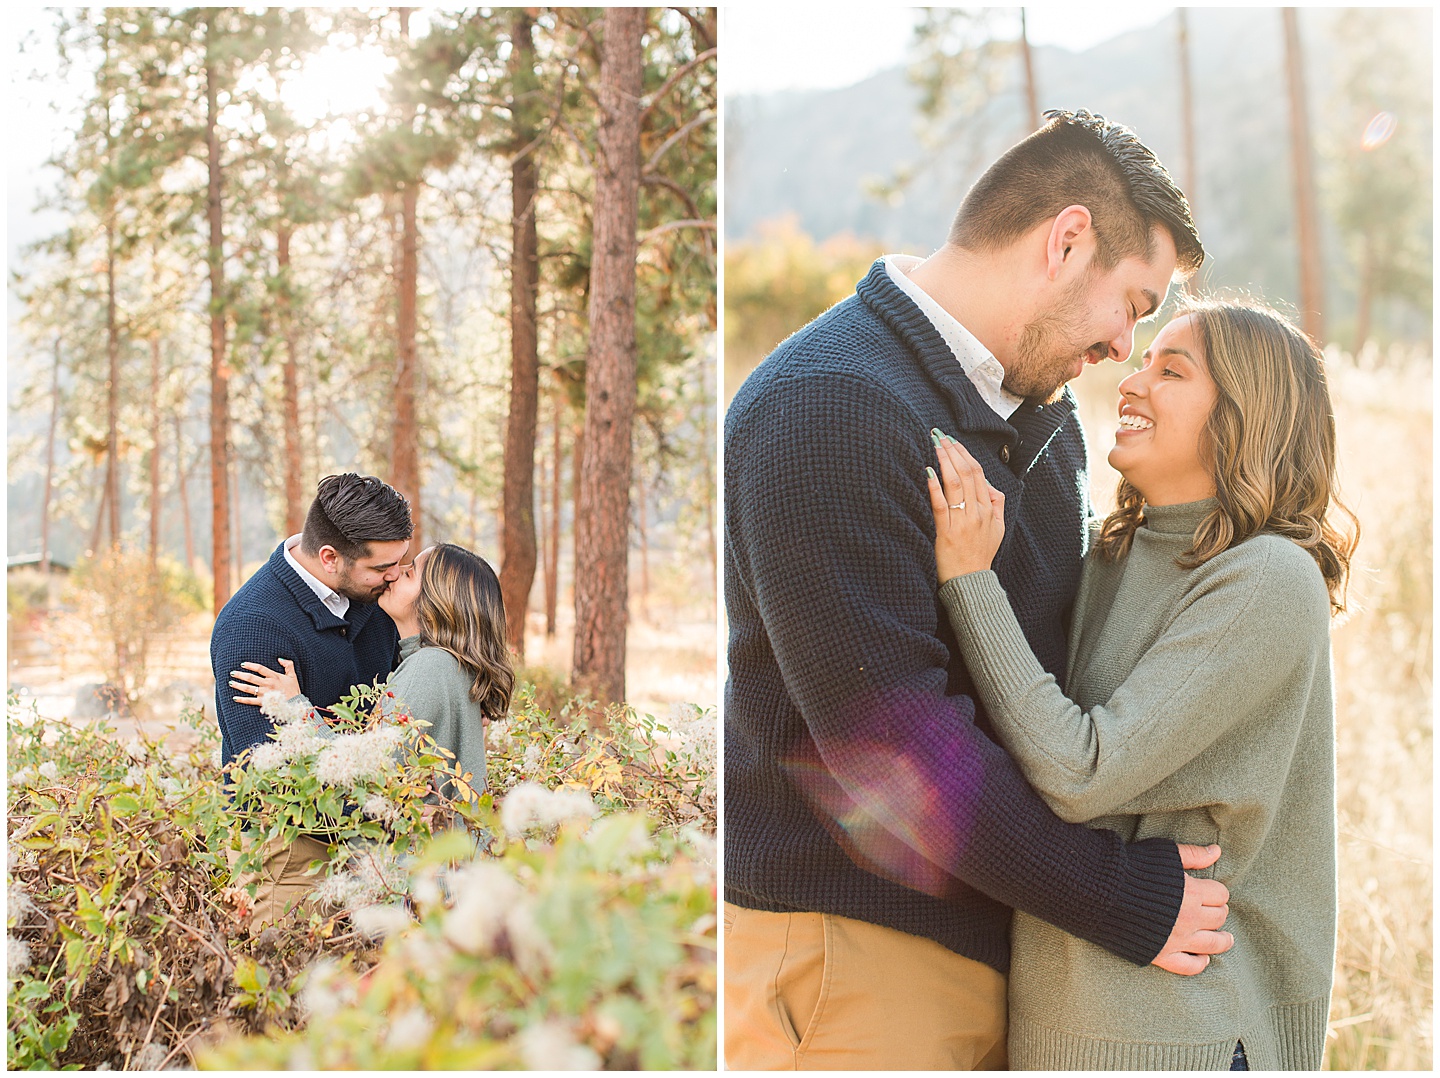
[782, 46]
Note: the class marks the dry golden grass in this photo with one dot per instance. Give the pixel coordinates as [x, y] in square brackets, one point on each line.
[1381, 1015]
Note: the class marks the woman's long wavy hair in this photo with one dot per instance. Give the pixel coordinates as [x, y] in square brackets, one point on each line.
[1271, 445]
[460, 610]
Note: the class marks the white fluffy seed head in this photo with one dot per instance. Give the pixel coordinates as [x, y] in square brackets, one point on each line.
[484, 892]
[381, 921]
[529, 806]
[551, 1046]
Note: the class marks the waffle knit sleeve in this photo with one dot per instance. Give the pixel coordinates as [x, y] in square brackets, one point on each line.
[248, 637]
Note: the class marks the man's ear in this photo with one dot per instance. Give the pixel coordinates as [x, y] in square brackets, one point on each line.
[330, 559]
[1070, 232]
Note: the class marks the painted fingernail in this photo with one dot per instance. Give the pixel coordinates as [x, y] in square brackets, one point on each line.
[931, 473]
[935, 437]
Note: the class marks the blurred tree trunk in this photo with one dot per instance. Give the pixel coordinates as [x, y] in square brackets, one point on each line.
[180, 483]
[517, 570]
[112, 386]
[219, 369]
[237, 569]
[50, 462]
[1312, 296]
[552, 541]
[294, 461]
[1032, 95]
[155, 410]
[1187, 124]
[602, 526]
[405, 449]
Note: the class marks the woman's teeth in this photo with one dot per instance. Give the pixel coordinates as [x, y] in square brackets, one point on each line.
[1135, 422]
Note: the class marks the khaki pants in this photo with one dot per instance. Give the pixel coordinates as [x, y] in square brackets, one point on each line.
[283, 882]
[811, 991]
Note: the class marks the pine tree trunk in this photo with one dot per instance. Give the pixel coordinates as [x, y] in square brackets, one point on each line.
[405, 456]
[1032, 95]
[154, 451]
[237, 569]
[405, 449]
[112, 388]
[602, 527]
[99, 528]
[219, 370]
[552, 543]
[50, 463]
[294, 464]
[518, 556]
[180, 484]
[1312, 295]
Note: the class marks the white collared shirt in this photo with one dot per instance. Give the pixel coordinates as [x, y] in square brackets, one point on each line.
[979, 365]
[336, 603]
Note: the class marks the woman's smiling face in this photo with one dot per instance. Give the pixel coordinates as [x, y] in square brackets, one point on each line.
[1160, 443]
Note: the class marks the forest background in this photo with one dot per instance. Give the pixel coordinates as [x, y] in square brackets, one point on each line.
[383, 261]
[1303, 139]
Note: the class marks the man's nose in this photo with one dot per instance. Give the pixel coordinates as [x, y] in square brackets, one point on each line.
[392, 574]
[1122, 345]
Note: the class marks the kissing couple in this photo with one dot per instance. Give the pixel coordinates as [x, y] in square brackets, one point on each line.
[340, 605]
[1006, 783]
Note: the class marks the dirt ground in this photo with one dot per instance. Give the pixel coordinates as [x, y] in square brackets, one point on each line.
[671, 659]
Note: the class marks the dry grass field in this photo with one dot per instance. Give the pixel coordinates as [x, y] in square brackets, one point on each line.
[1381, 1017]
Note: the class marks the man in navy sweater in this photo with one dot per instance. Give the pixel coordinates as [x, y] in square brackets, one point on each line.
[313, 604]
[876, 839]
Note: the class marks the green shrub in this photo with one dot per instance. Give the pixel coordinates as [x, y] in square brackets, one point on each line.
[127, 941]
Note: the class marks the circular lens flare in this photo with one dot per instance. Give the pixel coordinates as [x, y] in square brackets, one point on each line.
[1378, 130]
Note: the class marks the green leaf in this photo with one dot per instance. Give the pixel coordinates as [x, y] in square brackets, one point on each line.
[251, 976]
[124, 805]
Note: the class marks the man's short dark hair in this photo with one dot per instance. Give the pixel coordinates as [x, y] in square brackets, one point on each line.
[1079, 159]
[352, 511]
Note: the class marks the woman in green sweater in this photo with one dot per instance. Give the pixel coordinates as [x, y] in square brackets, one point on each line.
[1198, 703]
[455, 671]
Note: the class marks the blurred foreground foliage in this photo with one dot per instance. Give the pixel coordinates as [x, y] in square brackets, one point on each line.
[552, 928]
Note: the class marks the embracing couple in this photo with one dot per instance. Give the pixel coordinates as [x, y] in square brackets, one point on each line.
[339, 605]
[974, 736]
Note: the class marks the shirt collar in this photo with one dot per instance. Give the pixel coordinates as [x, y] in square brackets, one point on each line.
[336, 603]
[978, 363]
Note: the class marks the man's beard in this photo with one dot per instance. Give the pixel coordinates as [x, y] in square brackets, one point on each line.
[1045, 355]
[347, 587]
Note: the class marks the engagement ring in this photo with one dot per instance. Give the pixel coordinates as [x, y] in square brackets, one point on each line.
[958, 505]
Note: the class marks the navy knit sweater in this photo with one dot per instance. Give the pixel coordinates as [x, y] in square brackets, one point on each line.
[858, 777]
[275, 614]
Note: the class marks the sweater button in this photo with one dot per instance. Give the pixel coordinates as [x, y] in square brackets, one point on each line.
[1004, 454]
[344, 631]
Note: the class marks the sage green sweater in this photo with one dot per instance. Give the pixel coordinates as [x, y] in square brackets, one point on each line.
[431, 684]
[1199, 709]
